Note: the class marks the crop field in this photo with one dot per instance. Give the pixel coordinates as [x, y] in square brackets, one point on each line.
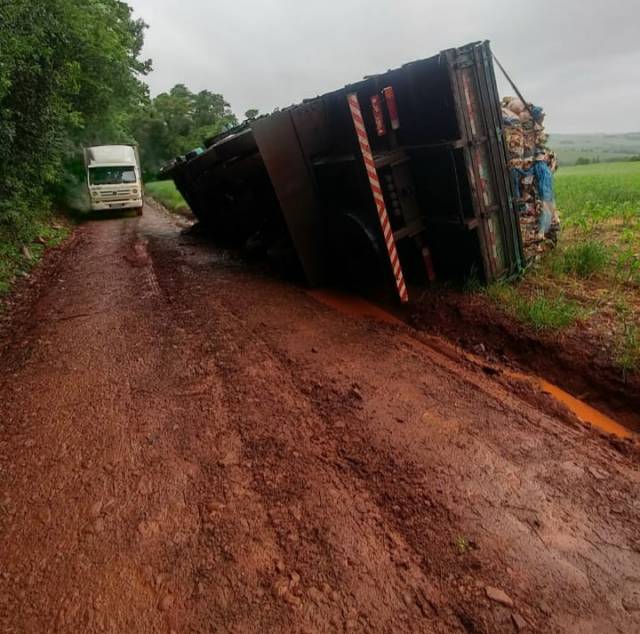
[591, 195]
[600, 209]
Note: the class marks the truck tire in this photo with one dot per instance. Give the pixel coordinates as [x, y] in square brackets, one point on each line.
[361, 260]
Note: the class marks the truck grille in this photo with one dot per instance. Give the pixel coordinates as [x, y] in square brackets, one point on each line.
[115, 196]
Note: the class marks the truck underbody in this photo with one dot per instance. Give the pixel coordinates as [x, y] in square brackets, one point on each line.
[393, 181]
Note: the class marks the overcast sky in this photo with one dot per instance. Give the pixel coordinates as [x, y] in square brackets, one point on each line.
[579, 59]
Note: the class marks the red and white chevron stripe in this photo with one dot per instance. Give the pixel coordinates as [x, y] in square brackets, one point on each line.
[376, 190]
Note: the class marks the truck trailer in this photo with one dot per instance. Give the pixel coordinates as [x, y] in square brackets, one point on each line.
[396, 180]
[114, 177]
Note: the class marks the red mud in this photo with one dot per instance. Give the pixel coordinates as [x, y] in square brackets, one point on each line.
[189, 446]
[575, 361]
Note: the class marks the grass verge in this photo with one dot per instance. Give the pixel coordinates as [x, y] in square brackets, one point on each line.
[595, 270]
[165, 192]
[539, 310]
[20, 254]
[582, 260]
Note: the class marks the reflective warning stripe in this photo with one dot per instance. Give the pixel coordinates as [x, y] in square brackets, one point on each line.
[376, 190]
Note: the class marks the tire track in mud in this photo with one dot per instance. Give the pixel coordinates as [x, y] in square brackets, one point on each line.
[208, 449]
[293, 465]
[358, 460]
[395, 492]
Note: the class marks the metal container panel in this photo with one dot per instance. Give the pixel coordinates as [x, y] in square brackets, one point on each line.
[446, 165]
[293, 183]
[477, 105]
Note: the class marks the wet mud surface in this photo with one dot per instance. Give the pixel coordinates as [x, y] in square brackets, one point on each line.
[187, 445]
[578, 362]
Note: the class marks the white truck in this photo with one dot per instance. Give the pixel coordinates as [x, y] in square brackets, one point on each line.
[113, 177]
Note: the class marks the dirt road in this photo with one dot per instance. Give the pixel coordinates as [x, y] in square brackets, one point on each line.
[187, 445]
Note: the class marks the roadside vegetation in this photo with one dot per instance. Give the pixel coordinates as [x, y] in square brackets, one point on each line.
[18, 258]
[165, 192]
[592, 279]
[176, 122]
[71, 75]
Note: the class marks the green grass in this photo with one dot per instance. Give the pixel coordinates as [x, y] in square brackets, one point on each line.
[600, 210]
[548, 313]
[541, 311]
[584, 259]
[589, 195]
[595, 270]
[628, 348]
[165, 192]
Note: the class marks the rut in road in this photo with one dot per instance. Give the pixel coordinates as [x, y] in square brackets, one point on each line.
[188, 445]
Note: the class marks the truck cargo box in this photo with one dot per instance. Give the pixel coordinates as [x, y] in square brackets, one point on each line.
[396, 180]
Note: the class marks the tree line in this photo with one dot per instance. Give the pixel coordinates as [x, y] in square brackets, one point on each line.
[582, 160]
[178, 121]
[71, 75]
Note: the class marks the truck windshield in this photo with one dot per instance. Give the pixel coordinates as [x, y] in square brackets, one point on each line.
[112, 175]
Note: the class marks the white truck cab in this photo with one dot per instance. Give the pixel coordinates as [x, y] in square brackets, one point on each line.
[113, 177]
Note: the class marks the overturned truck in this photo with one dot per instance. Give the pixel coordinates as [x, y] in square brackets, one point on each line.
[394, 181]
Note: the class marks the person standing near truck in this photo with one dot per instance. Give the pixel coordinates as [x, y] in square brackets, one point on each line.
[549, 220]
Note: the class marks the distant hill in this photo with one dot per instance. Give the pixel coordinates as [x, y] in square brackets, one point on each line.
[605, 147]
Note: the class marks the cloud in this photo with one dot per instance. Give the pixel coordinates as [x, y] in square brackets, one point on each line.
[579, 59]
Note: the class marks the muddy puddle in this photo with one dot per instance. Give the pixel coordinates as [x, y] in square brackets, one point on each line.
[354, 306]
[585, 412]
[359, 307]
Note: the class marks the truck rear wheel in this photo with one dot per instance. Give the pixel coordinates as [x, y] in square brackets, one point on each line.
[361, 262]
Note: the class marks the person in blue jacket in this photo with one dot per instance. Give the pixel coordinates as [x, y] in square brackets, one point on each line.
[549, 218]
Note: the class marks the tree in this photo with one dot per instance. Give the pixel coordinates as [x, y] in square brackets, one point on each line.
[70, 74]
[252, 113]
[178, 121]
